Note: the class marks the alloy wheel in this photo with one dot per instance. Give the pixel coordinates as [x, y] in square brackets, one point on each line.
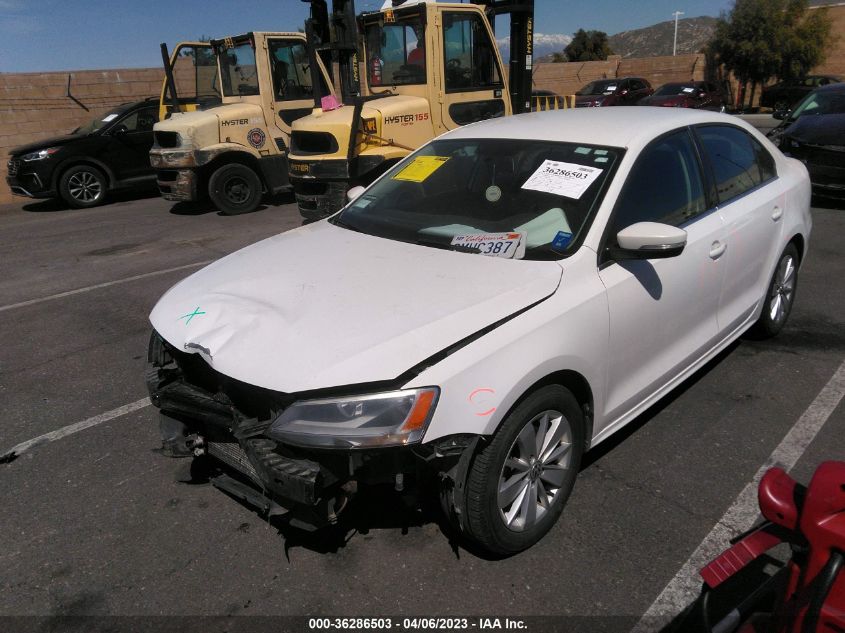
[783, 290]
[535, 470]
[85, 187]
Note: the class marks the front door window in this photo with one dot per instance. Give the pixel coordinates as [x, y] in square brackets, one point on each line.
[470, 61]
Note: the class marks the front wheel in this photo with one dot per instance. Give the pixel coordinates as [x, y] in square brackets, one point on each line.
[518, 484]
[83, 186]
[235, 189]
[780, 295]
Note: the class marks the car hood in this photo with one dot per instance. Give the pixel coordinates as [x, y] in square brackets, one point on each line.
[819, 129]
[53, 141]
[323, 306]
[664, 100]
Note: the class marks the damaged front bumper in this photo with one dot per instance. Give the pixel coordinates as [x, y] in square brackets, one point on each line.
[176, 173]
[204, 413]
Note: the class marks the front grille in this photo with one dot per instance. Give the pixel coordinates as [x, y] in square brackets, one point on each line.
[313, 143]
[13, 166]
[167, 139]
[231, 454]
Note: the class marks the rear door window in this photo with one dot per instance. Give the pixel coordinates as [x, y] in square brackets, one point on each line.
[734, 160]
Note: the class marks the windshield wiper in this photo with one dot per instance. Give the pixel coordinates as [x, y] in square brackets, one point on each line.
[341, 223]
[423, 241]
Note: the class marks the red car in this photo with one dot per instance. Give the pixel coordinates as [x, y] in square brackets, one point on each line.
[688, 94]
[613, 92]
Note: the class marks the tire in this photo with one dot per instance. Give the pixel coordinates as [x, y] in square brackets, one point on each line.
[235, 189]
[83, 186]
[780, 295]
[510, 521]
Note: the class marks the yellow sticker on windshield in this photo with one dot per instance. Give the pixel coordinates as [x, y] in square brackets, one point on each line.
[419, 169]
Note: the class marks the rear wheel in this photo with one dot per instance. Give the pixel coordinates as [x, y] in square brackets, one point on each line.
[518, 484]
[83, 186]
[235, 189]
[780, 295]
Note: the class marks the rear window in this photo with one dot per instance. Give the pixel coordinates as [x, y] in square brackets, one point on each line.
[739, 163]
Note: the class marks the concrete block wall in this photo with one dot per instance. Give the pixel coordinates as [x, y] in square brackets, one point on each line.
[566, 78]
[34, 106]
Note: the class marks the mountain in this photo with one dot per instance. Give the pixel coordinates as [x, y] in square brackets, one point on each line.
[693, 35]
[544, 45]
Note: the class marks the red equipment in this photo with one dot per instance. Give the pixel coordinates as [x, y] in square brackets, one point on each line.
[811, 597]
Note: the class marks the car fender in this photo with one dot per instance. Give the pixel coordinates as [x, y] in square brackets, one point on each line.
[482, 381]
[73, 161]
[213, 152]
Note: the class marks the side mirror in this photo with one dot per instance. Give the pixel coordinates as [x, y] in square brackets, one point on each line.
[117, 130]
[649, 240]
[780, 114]
[354, 193]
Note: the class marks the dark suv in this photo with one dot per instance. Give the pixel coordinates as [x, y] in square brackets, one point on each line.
[786, 94]
[107, 153]
[613, 92]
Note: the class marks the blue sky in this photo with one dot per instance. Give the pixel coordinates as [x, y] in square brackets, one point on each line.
[42, 35]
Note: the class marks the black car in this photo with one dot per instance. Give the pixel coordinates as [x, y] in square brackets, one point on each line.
[785, 94]
[814, 133]
[107, 153]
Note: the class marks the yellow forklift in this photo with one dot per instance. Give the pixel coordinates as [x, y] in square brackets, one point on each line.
[191, 81]
[429, 67]
[236, 151]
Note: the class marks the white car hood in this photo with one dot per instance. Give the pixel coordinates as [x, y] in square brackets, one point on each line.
[323, 306]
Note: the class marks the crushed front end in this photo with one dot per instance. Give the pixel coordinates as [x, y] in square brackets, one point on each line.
[206, 414]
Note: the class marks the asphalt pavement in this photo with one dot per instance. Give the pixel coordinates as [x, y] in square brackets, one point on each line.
[97, 523]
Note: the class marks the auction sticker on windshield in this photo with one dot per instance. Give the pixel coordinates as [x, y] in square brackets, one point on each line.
[490, 244]
[419, 169]
[563, 179]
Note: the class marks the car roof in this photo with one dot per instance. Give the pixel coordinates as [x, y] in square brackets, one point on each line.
[840, 87]
[622, 126]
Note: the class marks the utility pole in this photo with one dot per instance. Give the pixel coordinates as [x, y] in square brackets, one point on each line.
[675, 45]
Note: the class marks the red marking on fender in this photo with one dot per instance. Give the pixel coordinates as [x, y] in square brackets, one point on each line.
[478, 391]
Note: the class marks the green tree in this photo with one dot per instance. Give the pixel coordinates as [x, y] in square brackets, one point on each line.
[588, 46]
[558, 57]
[762, 39]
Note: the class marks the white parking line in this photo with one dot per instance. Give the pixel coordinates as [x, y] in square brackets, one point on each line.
[106, 284]
[743, 512]
[58, 434]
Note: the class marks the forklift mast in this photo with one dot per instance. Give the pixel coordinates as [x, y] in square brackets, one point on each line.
[521, 47]
[334, 37]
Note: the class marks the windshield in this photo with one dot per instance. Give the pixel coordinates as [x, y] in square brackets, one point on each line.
[456, 193]
[606, 86]
[395, 52]
[827, 102]
[675, 89]
[238, 70]
[96, 124]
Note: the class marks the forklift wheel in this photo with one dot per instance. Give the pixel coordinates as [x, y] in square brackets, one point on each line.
[235, 189]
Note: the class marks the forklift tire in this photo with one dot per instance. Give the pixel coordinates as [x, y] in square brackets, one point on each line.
[235, 189]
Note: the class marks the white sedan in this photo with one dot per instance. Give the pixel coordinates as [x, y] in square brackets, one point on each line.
[492, 307]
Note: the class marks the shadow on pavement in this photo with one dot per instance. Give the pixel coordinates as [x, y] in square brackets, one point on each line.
[203, 207]
[52, 205]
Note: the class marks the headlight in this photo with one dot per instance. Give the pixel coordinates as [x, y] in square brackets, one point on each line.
[40, 154]
[393, 418]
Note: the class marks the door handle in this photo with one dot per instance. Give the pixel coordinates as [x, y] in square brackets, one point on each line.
[717, 249]
[777, 213]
